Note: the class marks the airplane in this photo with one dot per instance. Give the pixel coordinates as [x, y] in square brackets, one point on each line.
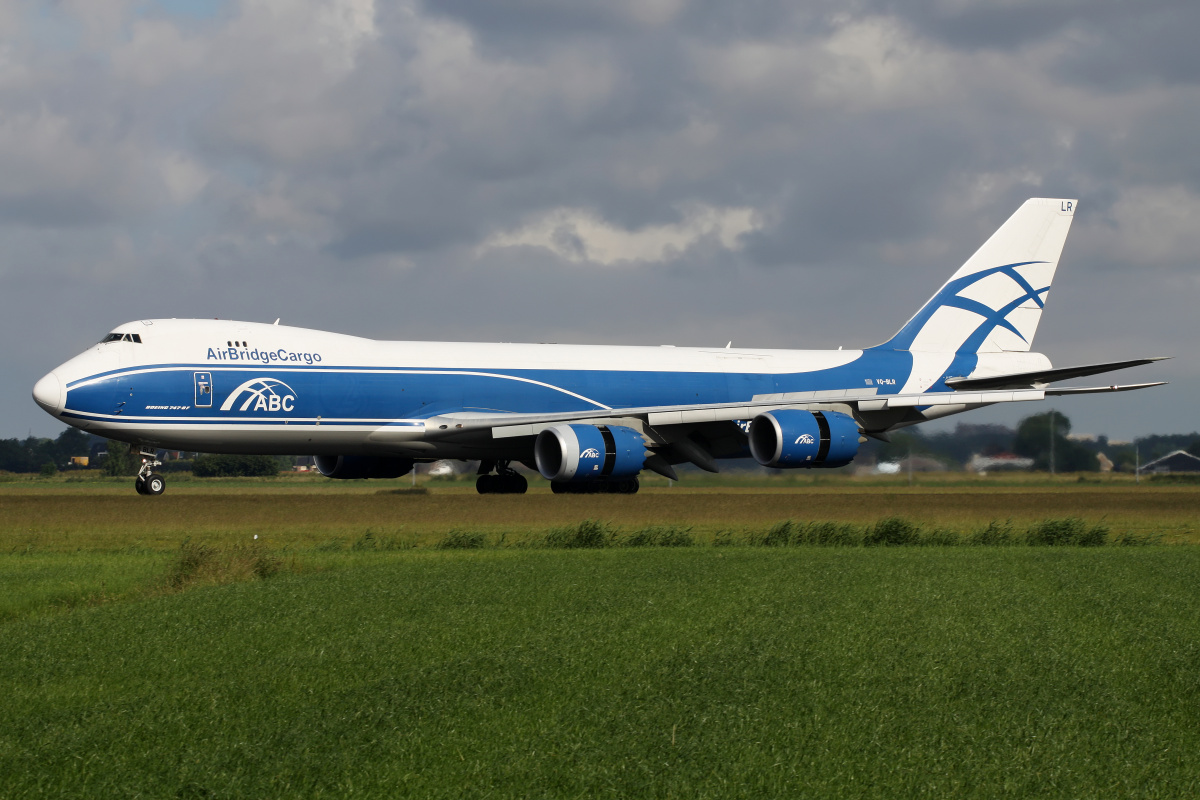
[588, 418]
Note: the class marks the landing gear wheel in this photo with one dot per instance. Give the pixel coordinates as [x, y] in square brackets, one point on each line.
[508, 481]
[504, 483]
[154, 485]
[148, 481]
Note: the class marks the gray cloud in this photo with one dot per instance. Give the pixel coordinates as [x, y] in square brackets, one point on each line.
[774, 173]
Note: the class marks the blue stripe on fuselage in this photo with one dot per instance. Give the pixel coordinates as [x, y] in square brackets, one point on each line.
[168, 391]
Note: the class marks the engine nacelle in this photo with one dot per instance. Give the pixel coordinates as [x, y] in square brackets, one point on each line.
[796, 438]
[357, 467]
[589, 452]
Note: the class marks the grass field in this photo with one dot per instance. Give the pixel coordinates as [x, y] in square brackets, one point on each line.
[153, 647]
[700, 672]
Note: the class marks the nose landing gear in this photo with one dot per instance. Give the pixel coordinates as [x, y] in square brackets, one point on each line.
[148, 481]
[506, 481]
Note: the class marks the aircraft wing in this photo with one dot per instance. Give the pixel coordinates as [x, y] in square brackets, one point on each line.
[1033, 380]
[470, 425]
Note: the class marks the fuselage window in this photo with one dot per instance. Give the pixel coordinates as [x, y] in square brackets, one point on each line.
[229, 344]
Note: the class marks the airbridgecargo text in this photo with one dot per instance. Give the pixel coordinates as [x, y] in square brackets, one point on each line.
[261, 356]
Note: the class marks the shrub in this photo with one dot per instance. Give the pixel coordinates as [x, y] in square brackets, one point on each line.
[203, 563]
[1065, 532]
[659, 536]
[726, 538]
[589, 533]
[778, 535]
[48, 470]
[234, 466]
[119, 461]
[262, 562]
[892, 531]
[940, 537]
[370, 540]
[828, 534]
[1128, 539]
[194, 558]
[462, 540]
[996, 533]
[1178, 477]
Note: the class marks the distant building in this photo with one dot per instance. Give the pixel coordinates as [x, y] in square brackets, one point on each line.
[441, 469]
[982, 463]
[918, 464]
[1178, 461]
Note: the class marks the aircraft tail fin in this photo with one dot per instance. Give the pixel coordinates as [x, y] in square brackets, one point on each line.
[994, 302]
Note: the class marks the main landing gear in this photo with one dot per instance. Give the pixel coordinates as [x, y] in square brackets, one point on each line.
[506, 481]
[148, 481]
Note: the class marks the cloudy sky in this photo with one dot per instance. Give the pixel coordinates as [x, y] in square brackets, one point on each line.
[691, 172]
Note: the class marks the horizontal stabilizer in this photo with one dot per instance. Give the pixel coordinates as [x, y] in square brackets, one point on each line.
[1027, 380]
[1128, 387]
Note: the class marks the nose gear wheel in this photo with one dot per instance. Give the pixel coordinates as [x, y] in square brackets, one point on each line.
[148, 481]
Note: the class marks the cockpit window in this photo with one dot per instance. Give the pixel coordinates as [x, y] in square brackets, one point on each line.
[122, 337]
[112, 337]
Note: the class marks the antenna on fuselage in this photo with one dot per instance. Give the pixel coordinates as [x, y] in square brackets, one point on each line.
[276, 322]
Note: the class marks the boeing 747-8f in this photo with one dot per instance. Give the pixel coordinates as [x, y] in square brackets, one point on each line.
[588, 418]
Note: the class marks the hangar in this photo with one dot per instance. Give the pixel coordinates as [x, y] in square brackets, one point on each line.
[1177, 461]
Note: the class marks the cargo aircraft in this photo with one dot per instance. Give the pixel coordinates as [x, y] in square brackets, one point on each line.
[588, 418]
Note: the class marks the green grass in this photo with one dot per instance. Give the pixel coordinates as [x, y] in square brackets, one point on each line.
[37, 582]
[664, 672]
[775, 640]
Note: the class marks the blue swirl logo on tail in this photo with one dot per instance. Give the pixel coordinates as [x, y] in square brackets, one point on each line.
[970, 338]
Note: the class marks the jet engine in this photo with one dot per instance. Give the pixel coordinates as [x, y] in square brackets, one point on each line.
[354, 467]
[795, 438]
[589, 452]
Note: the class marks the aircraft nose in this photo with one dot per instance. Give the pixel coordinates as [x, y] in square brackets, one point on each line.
[48, 393]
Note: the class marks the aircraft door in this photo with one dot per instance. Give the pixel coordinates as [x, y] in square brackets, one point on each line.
[203, 389]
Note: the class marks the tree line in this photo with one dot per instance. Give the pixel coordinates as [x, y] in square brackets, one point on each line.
[35, 454]
[48, 456]
[1041, 437]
